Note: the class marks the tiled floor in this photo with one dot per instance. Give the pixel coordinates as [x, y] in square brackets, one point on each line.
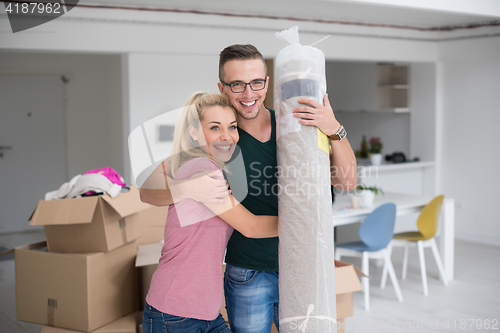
[469, 301]
[472, 298]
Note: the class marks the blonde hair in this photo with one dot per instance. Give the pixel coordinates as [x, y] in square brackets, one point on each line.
[185, 147]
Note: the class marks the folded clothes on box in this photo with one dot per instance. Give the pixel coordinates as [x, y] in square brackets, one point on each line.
[105, 180]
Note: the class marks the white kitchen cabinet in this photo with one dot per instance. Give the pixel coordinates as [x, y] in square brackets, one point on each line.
[368, 87]
[392, 87]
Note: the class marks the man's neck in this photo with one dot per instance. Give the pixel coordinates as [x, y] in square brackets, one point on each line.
[259, 127]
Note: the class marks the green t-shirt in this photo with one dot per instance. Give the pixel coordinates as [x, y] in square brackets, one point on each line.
[260, 165]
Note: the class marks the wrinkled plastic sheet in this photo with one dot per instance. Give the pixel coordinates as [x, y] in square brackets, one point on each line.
[306, 259]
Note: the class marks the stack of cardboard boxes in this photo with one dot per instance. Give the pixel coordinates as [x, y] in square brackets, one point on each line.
[83, 278]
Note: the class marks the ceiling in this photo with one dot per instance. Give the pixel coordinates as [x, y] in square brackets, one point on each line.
[357, 12]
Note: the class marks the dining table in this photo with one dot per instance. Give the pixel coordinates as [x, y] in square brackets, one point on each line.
[343, 213]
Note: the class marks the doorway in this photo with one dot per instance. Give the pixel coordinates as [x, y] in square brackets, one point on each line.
[33, 145]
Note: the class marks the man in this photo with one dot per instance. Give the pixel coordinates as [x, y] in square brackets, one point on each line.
[251, 280]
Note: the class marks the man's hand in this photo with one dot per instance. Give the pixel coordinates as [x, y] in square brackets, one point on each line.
[343, 170]
[318, 115]
[207, 187]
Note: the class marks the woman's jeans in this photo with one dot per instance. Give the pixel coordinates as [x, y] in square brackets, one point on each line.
[252, 299]
[155, 321]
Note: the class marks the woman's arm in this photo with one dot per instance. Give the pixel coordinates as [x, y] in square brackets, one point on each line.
[248, 224]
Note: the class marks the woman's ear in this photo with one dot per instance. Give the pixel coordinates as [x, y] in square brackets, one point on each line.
[192, 132]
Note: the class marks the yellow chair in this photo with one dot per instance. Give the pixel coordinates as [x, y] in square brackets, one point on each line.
[427, 224]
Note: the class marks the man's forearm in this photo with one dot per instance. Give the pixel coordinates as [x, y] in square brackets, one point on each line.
[343, 167]
[156, 197]
[156, 190]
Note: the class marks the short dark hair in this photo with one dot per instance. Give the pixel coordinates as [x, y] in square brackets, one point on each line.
[238, 52]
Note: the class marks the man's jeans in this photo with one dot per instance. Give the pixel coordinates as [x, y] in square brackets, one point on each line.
[155, 321]
[252, 299]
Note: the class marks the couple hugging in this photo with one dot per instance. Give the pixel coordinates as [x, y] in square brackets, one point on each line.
[205, 222]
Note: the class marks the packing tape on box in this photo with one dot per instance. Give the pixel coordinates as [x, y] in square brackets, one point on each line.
[51, 309]
[123, 224]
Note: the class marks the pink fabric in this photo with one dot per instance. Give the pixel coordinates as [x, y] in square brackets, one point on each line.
[188, 281]
[109, 173]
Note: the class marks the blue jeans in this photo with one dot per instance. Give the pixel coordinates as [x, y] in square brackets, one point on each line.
[155, 321]
[252, 299]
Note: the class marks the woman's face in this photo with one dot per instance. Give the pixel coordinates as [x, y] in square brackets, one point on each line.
[218, 133]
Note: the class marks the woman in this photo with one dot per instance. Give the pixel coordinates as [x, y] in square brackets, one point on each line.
[186, 291]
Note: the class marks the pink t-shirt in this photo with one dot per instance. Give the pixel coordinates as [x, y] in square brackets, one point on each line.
[188, 282]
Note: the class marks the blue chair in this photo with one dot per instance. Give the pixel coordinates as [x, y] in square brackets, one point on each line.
[375, 233]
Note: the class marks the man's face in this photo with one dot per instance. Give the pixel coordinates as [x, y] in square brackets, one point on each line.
[249, 102]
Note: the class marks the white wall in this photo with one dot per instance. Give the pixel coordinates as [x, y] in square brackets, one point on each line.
[423, 111]
[93, 94]
[161, 83]
[392, 128]
[470, 119]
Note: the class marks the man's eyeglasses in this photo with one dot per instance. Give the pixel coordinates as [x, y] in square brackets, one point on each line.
[239, 87]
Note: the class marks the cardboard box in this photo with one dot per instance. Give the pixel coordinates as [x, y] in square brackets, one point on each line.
[127, 324]
[90, 224]
[152, 224]
[81, 292]
[346, 280]
[341, 325]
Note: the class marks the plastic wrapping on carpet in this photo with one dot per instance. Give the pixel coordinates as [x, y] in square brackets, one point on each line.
[306, 259]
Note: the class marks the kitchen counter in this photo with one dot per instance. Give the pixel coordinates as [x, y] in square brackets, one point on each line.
[416, 178]
[364, 163]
